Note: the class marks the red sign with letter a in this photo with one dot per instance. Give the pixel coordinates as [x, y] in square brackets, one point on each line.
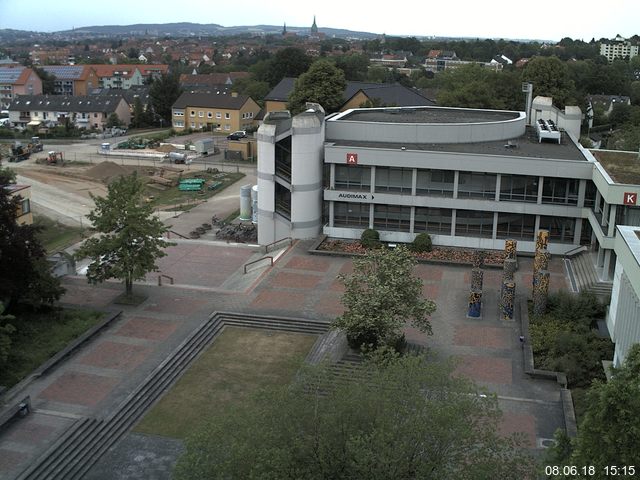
[630, 198]
[352, 158]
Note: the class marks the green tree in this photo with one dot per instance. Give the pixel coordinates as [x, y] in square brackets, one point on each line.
[163, 94]
[609, 433]
[288, 62]
[550, 78]
[323, 83]
[6, 330]
[130, 236]
[113, 120]
[355, 66]
[48, 81]
[138, 117]
[405, 418]
[25, 275]
[380, 296]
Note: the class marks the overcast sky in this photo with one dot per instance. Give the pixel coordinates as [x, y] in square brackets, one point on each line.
[542, 19]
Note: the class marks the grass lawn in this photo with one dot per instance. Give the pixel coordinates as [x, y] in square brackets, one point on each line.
[39, 336]
[172, 197]
[56, 236]
[238, 363]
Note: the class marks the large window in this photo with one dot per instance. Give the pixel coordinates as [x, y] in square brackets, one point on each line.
[283, 158]
[474, 223]
[516, 226]
[432, 220]
[477, 185]
[563, 191]
[519, 188]
[435, 182]
[354, 177]
[393, 179]
[391, 217]
[283, 201]
[590, 194]
[560, 228]
[346, 214]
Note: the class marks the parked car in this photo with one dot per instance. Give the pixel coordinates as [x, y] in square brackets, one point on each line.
[237, 135]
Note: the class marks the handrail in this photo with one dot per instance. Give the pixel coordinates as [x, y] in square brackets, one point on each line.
[256, 261]
[165, 276]
[175, 233]
[578, 249]
[266, 247]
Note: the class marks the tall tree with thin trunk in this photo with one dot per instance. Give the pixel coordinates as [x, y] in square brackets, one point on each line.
[129, 239]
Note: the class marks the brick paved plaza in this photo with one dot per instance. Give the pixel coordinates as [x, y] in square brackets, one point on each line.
[103, 372]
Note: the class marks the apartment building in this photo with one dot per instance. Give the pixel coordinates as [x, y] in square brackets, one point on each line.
[73, 79]
[214, 111]
[18, 81]
[619, 47]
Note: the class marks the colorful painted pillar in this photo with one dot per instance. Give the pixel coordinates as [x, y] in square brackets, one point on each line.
[541, 292]
[508, 300]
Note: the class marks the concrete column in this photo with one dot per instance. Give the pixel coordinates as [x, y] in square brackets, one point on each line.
[494, 232]
[456, 178]
[371, 215]
[453, 222]
[414, 182]
[582, 192]
[536, 225]
[412, 220]
[577, 231]
[612, 220]
[606, 264]
[373, 180]
[498, 181]
[600, 258]
[597, 201]
[332, 179]
[540, 185]
[605, 215]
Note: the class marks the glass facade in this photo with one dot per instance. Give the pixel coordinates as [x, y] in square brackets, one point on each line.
[283, 201]
[346, 214]
[519, 188]
[516, 226]
[474, 223]
[392, 179]
[561, 191]
[283, 159]
[435, 182]
[561, 229]
[352, 177]
[391, 217]
[432, 220]
[477, 185]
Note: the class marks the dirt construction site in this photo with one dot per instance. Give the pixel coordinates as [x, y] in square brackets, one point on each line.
[63, 190]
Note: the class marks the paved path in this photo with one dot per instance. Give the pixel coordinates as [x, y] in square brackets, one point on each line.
[99, 376]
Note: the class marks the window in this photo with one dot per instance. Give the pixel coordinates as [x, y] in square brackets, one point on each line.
[209, 115]
[227, 127]
[218, 115]
[562, 191]
[519, 188]
[391, 217]
[227, 115]
[353, 177]
[393, 179]
[560, 228]
[347, 214]
[590, 194]
[477, 185]
[178, 123]
[201, 114]
[193, 124]
[516, 226]
[283, 201]
[178, 113]
[435, 182]
[283, 158]
[474, 223]
[192, 113]
[432, 220]
[25, 207]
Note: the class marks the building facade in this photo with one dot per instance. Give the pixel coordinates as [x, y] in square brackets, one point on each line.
[213, 111]
[623, 318]
[24, 216]
[618, 48]
[73, 79]
[469, 178]
[18, 81]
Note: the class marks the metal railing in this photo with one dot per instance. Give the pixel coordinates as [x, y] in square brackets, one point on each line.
[266, 247]
[169, 232]
[165, 276]
[269, 257]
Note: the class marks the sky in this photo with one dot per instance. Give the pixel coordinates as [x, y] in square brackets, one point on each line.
[543, 19]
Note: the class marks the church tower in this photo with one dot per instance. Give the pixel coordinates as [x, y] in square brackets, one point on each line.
[314, 27]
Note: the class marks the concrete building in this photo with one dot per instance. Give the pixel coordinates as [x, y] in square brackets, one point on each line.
[619, 47]
[468, 177]
[623, 319]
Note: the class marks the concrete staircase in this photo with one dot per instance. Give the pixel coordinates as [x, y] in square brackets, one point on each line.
[586, 276]
[82, 445]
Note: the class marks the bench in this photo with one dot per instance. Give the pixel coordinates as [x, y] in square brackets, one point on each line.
[20, 409]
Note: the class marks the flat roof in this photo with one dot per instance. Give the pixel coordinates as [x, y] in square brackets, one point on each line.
[526, 145]
[622, 167]
[428, 115]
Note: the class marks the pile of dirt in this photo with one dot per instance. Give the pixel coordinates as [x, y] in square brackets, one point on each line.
[166, 148]
[106, 171]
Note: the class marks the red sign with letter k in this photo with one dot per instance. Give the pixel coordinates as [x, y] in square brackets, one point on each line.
[630, 198]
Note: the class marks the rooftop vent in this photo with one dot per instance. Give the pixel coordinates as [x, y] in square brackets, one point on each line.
[547, 130]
